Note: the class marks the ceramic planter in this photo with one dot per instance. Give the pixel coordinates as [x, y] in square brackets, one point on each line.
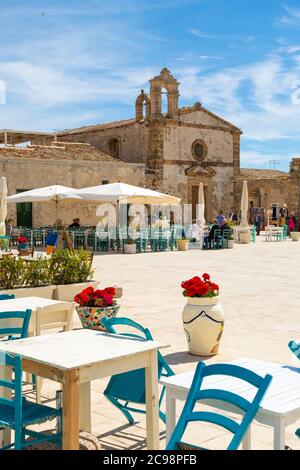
[245, 237]
[23, 246]
[230, 244]
[295, 236]
[130, 249]
[91, 317]
[183, 245]
[203, 323]
[45, 292]
[67, 292]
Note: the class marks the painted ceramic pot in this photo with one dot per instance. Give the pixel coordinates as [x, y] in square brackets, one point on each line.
[203, 323]
[91, 317]
[23, 246]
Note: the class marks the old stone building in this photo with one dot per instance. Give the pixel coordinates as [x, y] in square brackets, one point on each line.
[67, 164]
[172, 150]
[180, 148]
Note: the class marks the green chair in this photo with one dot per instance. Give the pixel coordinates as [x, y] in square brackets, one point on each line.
[248, 408]
[253, 234]
[226, 238]
[216, 242]
[129, 387]
[17, 413]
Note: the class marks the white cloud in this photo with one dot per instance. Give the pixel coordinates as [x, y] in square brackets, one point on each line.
[254, 158]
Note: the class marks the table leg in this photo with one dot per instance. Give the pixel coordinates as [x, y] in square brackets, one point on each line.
[5, 374]
[279, 434]
[247, 440]
[170, 414]
[71, 410]
[152, 420]
[85, 407]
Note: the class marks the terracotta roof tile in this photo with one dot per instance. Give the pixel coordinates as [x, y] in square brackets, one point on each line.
[57, 151]
[256, 174]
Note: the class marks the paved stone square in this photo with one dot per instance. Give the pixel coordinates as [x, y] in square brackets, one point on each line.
[261, 298]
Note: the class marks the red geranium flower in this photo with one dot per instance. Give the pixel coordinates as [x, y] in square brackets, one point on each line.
[197, 287]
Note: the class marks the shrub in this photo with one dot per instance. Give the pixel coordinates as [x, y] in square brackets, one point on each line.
[12, 272]
[70, 267]
[38, 273]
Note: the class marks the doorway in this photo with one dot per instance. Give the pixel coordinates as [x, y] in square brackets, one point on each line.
[24, 212]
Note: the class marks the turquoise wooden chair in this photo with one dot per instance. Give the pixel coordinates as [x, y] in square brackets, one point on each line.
[17, 413]
[253, 234]
[225, 238]
[129, 387]
[281, 236]
[216, 242]
[7, 296]
[295, 348]
[249, 409]
[15, 332]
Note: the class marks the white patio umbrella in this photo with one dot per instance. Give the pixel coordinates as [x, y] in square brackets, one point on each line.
[244, 205]
[54, 193]
[123, 193]
[3, 205]
[201, 206]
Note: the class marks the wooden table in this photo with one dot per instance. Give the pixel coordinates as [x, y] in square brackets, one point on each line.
[59, 312]
[280, 407]
[76, 358]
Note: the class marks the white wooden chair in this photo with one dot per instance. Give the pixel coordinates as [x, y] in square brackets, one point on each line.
[49, 318]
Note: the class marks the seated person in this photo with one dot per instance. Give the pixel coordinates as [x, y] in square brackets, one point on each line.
[75, 224]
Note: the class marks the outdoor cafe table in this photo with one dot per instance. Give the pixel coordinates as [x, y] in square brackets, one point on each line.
[59, 314]
[280, 406]
[76, 358]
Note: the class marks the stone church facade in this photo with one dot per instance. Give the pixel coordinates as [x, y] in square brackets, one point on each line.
[180, 148]
[172, 151]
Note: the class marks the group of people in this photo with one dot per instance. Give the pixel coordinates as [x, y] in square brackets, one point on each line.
[75, 224]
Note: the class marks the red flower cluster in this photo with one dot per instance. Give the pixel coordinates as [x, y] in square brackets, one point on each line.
[22, 240]
[197, 287]
[96, 298]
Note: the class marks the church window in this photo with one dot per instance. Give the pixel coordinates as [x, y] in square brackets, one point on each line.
[199, 150]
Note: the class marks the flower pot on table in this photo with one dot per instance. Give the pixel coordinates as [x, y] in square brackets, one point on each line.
[91, 317]
[203, 323]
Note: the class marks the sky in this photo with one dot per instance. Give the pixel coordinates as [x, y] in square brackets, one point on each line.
[80, 62]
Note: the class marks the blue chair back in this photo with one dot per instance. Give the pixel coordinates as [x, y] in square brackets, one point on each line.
[130, 386]
[295, 348]
[7, 296]
[15, 332]
[249, 409]
[14, 362]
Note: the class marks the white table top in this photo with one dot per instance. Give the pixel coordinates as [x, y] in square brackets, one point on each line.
[282, 397]
[24, 303]
[76, 349]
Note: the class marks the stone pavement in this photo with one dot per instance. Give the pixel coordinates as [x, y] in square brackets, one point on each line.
[261, 298]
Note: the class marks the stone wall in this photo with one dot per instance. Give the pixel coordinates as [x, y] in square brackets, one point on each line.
[133, 140]
[24, 174]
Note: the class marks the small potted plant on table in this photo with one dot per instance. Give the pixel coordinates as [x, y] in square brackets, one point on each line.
[23, 243]
[203, 317]
[93, 305]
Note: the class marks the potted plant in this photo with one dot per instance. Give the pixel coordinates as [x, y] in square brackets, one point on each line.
[25, 279]
[71, 271]
[93, 305]
[130, 247]
[295, 236]
[231, 238]
[183, 243]
[23, 243]
[203, 317]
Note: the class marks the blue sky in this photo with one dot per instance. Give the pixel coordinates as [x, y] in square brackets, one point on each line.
[72, 63]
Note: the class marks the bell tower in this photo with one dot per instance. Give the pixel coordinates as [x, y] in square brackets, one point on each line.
[167, 81]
